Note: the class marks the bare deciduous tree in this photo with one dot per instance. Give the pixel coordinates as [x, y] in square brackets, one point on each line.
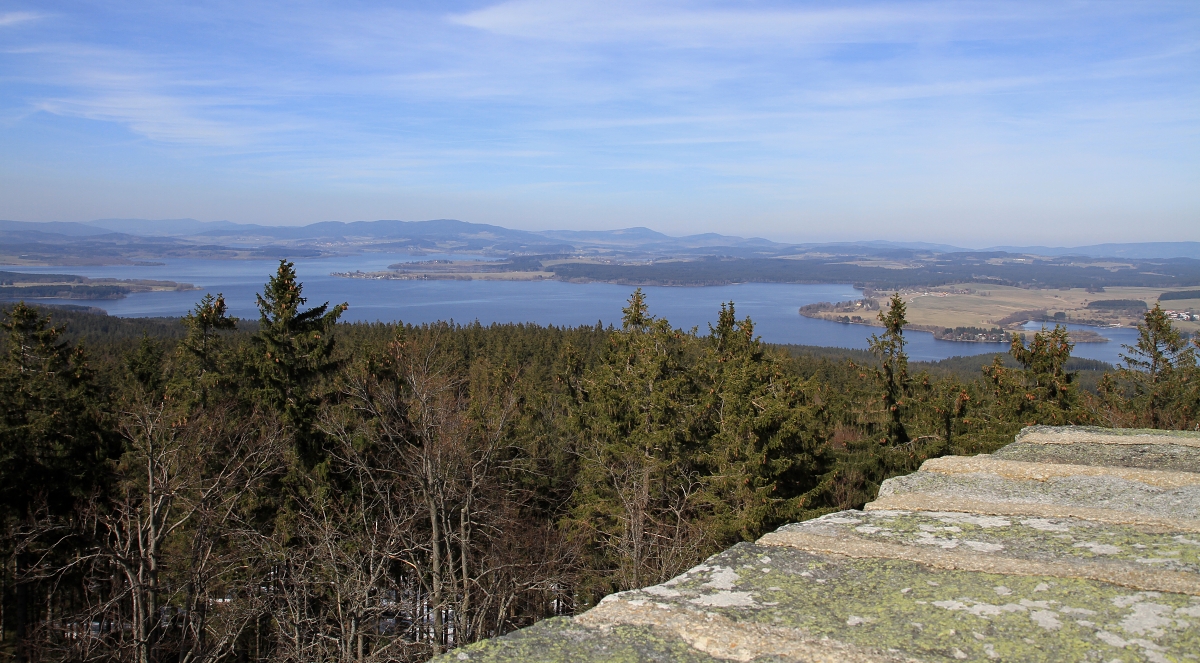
[441, 437]
[180, 483]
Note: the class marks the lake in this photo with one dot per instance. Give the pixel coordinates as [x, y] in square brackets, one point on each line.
[772, 306]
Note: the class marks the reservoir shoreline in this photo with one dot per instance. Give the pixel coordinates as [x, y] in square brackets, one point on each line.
[771, 306]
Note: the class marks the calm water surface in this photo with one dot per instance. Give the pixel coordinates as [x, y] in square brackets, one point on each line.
[772, 306]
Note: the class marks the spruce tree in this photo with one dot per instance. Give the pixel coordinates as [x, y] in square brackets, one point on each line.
[203, 348]
[764, 443]
[892, 371]
[53, 441]
[636, 488]
[1161, 367]
[51, 433]
[1042, 391]
[294, 349]
[145, 365]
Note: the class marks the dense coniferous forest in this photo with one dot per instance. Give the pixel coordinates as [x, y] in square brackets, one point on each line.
[294, 488]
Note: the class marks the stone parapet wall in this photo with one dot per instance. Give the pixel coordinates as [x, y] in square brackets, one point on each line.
[1070, 544]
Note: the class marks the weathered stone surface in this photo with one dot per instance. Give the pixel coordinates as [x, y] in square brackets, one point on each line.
[724, 636]
[560, 639]
[1169, 457]
[1068, 545]
[1068, 548]
[922, 502]
[1117, 436]
[756, 601]
[1114, 494]
[1039, 471]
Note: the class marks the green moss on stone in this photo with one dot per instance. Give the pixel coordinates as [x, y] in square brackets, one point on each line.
[1042, 539]
[933, 613]
[559, 640]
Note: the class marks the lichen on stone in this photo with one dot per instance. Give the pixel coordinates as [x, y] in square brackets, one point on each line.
[981, 561]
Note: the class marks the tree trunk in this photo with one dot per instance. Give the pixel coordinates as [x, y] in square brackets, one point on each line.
[435, 558]
[22, 608]
[464, 619]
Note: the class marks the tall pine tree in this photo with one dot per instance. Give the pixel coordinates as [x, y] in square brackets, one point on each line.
[892, 371]
[294, 350]
[764, 442]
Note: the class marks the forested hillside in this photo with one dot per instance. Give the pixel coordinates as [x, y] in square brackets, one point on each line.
[294, 488]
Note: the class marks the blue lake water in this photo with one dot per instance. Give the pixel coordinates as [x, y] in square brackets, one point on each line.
[772, 306]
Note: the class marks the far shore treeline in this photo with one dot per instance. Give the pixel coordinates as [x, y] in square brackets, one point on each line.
[295, 488]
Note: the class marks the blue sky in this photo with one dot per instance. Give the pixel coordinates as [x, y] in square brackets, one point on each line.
[973, 123]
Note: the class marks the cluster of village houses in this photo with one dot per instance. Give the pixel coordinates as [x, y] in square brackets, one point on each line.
[1183, 315]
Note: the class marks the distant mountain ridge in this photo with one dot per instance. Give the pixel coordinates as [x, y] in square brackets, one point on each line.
[67, 228]
[645, 238]
[1132, 251]
[480, 236]
[161, 227]
[382, 229]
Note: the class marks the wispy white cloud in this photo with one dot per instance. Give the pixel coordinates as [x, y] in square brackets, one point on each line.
[14, 18]
[691, 101]
[151, 95]
[156, 117]
[681, 24]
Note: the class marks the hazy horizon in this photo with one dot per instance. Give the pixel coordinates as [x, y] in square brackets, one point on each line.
[970, 124]
[854, 240]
